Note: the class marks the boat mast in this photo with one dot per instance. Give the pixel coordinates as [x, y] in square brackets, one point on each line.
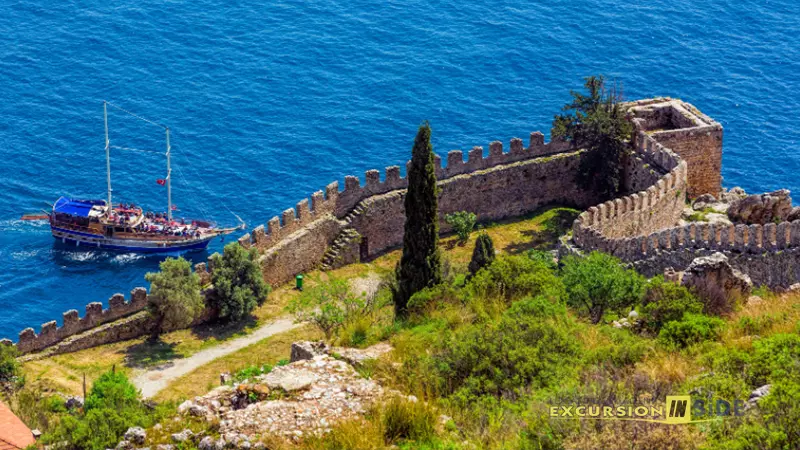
[108, 156]
[169, 182]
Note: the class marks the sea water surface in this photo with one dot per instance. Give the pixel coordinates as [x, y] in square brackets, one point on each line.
[268, 101]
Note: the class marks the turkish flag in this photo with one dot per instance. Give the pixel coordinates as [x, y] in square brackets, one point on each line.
[161, 181]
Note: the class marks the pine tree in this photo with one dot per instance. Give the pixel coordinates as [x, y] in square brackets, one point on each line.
[483, 255]
[597, 121]
[420, 265]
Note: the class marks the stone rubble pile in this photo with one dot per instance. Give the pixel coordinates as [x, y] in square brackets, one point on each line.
[304, 397]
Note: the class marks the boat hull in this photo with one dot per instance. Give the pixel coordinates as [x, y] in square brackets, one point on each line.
[93, 241]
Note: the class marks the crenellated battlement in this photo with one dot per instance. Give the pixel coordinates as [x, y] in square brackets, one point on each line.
[641, 228]
[339, 203]
[73, 324]
[675, 153]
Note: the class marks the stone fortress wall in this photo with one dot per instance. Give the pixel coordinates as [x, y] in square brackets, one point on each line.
[676, 153]
[73, 325]
[687, 143]
[503, 184]
[361, 222]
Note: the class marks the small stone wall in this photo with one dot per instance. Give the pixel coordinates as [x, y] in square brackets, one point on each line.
[618, 226]
[332, 201]
[95, 315]
[641, 228]
[131, 327]
[499, 192]
[774, 269]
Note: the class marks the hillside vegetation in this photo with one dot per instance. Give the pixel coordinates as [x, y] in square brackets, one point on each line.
[490, 355]
[487, 355]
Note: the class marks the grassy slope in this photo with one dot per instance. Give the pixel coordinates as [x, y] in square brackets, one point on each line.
[65, 373]
[605, 368]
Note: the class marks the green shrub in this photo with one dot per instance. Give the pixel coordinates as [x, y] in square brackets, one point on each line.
[238, 283]
[483, 254]
[55, 404]
[781, 409]
[775, 424]
[543, 257]
[598, 283]
[511, 278]
[423, 301]
[624, 348]
[174, 299]
[751, 326]
[666, 302]
[112, 406]
[774, 358]
[331, 305]
[529, 347]
[691, 329]
[462, 222]
[719, 386]
[356, 333]
[730, 361]
[9, 367]
[250, 372]
[112, 390]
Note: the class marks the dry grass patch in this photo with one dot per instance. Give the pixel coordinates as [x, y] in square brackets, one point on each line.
[65, 372]
[536, 231]
[206, 377]
[774, 314]
[668, 367]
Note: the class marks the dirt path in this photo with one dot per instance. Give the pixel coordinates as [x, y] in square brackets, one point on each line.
[152, 381]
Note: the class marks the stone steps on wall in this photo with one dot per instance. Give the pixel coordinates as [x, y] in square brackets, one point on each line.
[345, 238]
[355, 212]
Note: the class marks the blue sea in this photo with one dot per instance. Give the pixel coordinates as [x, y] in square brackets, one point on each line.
[268, 101]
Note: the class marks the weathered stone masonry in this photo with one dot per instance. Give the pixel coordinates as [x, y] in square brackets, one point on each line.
[676, 153]
[503, 184]
[641, 229]
[73, 325]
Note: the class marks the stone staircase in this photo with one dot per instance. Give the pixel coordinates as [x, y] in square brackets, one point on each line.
[344, 242]
[359, 209]
[333, 257]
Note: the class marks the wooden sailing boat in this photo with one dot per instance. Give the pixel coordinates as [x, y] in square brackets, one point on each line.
[127, 227]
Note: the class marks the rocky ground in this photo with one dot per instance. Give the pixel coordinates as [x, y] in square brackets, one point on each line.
[736, 206]
[306, 396]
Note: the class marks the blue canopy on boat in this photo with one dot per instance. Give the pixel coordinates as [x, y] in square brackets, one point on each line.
[74, 207]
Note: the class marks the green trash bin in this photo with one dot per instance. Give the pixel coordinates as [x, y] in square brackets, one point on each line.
[299, 282]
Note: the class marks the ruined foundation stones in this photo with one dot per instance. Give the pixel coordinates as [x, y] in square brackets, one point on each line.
[304, 397]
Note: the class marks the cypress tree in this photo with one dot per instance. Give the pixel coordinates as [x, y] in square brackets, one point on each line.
[420, 265]
[483, 255]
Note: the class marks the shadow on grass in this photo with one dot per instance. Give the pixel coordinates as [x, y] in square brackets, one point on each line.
[546, 237]
[149, 353]
[154, 351]
[222, 331]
